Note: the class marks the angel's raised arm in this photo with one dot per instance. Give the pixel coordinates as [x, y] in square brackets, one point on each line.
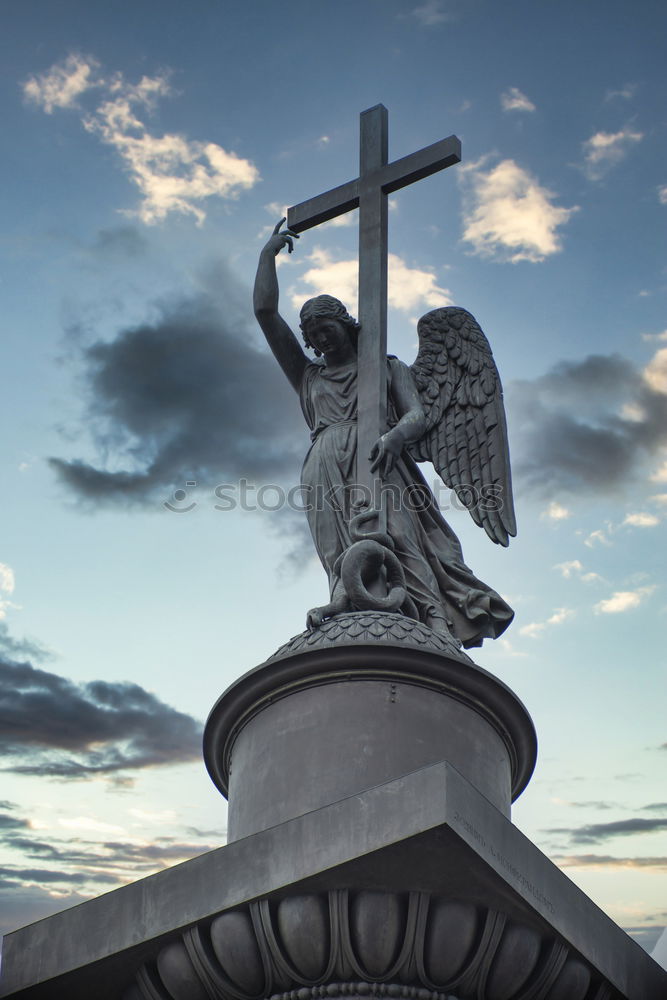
[285, 346]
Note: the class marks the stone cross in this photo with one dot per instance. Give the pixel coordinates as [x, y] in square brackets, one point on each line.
[377, 179]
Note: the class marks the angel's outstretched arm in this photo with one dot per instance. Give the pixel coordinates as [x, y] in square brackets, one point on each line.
[281, 340]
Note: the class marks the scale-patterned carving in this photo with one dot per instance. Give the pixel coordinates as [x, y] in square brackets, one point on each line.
[372, 626]
[366, 943]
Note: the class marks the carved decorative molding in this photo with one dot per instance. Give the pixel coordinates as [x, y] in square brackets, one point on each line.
[366, 943]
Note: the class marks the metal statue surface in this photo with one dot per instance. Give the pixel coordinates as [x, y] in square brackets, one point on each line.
[447, 409]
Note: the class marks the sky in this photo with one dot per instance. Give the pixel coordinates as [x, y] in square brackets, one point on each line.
[149, 150]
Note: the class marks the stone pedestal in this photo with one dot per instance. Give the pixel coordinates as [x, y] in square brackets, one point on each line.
[364, 699]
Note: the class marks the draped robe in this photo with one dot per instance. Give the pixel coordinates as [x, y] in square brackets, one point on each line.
[442, 587]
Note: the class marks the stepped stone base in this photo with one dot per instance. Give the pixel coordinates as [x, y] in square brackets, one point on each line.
[447, 870]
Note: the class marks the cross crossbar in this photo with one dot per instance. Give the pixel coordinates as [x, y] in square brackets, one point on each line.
[345, 198]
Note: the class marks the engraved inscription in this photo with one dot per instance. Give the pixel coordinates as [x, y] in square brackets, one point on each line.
[511, 869]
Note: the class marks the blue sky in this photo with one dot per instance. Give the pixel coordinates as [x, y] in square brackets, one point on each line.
[149, 150]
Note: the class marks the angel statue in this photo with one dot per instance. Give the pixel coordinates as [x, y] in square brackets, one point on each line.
[447, 408]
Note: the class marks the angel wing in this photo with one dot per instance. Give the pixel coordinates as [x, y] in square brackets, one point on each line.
[466, 432]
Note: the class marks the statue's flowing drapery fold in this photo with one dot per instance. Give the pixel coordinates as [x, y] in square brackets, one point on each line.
[437, 579]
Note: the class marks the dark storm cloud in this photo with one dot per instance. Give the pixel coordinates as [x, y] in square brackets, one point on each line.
[13, 876]
[569, 432]
[11, 822]
[595, 833]
[188, 397]
[51, 726]
[25, 648]
[162, 851]
[42, 851]
[110, 854]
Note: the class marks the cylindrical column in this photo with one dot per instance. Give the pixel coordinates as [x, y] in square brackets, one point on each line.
[327, 721]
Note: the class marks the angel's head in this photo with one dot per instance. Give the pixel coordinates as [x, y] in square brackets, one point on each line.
[321, 318]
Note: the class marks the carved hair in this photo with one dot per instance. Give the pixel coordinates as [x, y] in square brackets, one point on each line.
[327, 307]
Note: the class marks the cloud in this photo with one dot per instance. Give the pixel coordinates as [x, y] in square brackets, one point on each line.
[630, 411]
[595, 833]
[6, 578]
[173, 173]
[641, 520]
[569, 569]
[595, 537]
[72, 873]
[535, 629]
[60, 86]
[408, 287]
[655, 372]
[662, 194]
[556, 512]
[623, 600]
[626, 93]
[605, 149]
[8, 822]
[599, 804]
[431, 12]
[338, 278]
[660, 474]
[603, 861]
[508, 215]
[109, 854]
[6, 587]
[570, 434]
[574, 569]
[514, 100]
[54, 727]
[187, 397]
